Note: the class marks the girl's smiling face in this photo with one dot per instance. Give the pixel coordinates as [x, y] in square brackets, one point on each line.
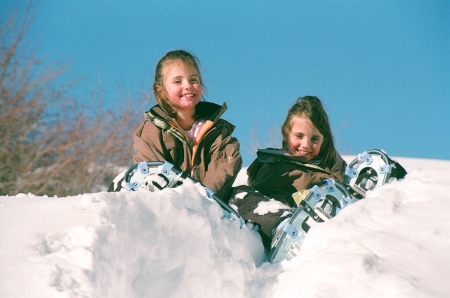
[182, 86]
[304, 138]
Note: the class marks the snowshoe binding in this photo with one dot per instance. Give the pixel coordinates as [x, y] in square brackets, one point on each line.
[371, 169]
[323, 202]
[157, 175]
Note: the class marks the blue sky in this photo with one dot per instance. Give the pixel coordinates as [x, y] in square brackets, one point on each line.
[382, 68]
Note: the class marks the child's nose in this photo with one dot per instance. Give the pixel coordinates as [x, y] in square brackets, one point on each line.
[306, 143]
[187, 85]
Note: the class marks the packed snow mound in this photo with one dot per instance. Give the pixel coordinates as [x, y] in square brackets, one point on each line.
[177, 243]
[173, 243]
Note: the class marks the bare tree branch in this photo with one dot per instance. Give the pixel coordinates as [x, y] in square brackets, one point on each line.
[50, 143]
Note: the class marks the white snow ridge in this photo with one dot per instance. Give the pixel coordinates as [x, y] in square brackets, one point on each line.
[176, 243]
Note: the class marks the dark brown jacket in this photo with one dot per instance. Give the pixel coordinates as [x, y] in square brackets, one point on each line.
[278, 174]
[213, 158]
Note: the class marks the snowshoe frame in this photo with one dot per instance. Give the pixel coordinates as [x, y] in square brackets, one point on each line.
[372, 168]
[323, 202]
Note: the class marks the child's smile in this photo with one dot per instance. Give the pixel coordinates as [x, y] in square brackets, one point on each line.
[304, 138]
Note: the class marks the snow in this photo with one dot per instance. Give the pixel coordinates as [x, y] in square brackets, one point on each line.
[176, 243]
[271, 206]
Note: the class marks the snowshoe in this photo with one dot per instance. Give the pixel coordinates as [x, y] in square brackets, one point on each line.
[157, 175]
[371, 169]
[151, 176]
[323, 202]
[146, 175]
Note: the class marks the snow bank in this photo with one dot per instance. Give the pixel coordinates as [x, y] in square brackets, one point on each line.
[176, 243]
[394, 243]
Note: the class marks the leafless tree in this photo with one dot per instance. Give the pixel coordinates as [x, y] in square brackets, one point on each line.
[50, 143]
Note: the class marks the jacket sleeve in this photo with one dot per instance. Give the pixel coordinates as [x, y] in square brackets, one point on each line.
[225, 164]
[147, 143]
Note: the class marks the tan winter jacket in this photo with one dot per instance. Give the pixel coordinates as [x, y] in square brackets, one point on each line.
[278, 174]
[213, 158]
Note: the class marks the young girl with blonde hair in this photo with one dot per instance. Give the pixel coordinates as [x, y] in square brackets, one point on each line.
[186, 131]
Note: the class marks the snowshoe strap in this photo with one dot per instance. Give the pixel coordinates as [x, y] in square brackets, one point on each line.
[325, 200]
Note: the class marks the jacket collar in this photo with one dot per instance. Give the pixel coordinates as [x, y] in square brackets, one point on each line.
[204, 109]
[270, 155]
